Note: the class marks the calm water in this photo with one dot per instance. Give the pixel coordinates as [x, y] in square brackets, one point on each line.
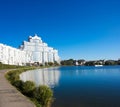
[80, 86]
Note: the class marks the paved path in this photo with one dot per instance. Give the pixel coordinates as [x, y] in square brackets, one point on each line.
[10, 96]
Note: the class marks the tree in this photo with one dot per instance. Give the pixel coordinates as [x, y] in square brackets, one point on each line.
[56, 63]
[90, 63]
[50, 63]
[68, 62]
[110, 62]
[118, 61]
[81, 61]
[46, 64]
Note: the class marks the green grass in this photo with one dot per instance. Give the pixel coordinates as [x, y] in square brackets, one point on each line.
[6, 66]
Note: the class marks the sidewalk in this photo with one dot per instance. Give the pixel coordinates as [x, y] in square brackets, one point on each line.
[10, 96]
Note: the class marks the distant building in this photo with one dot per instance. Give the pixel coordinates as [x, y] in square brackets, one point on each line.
[31, 51]
[76, 63]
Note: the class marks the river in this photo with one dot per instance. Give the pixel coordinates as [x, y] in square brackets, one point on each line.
[80, 86]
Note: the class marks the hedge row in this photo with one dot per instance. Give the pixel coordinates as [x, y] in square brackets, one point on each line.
[42, 96]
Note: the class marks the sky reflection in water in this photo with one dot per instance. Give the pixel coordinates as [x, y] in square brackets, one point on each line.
[81, 86]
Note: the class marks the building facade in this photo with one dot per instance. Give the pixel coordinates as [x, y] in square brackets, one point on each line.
[31, 51]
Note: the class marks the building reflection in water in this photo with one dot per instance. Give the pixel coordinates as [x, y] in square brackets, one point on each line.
[49, 77]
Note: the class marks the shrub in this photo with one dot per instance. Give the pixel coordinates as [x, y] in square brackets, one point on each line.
[56, 63]
[44, 95]
[28, 88]
[46, 64]
[13, 76]
[50, 63]
[18, 84]
[41, 96]
[37, 103]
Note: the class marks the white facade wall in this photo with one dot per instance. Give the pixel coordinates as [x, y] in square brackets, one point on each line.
[30, 51]
[40, 52]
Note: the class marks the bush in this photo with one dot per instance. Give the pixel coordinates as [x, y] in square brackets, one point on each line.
[44, 95]
[19, 85]
[56, 63]
[50, 63]
[29, 88]
[37, 103]
[13, 76]
[41, 96]
[46, 64]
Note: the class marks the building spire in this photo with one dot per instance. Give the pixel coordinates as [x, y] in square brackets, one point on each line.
[36, 35]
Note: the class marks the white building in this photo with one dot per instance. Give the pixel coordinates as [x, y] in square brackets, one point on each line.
[31, 51]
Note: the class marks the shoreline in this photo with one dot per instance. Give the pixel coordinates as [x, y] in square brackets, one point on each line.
[25, 87]
[10, 96]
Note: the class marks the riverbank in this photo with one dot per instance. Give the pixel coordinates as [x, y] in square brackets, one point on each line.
[41, 96]
[10, 96]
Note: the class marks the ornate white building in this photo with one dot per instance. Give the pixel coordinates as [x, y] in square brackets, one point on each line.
[31, 51]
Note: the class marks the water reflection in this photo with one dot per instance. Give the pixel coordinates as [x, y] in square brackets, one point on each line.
[88, 87]
[80, 86]
[49, 77]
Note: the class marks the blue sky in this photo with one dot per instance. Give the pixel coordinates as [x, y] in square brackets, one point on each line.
[79, 29]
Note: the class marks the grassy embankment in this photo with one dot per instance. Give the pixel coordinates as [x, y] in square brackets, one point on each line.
[5, 66]
[42, 96]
